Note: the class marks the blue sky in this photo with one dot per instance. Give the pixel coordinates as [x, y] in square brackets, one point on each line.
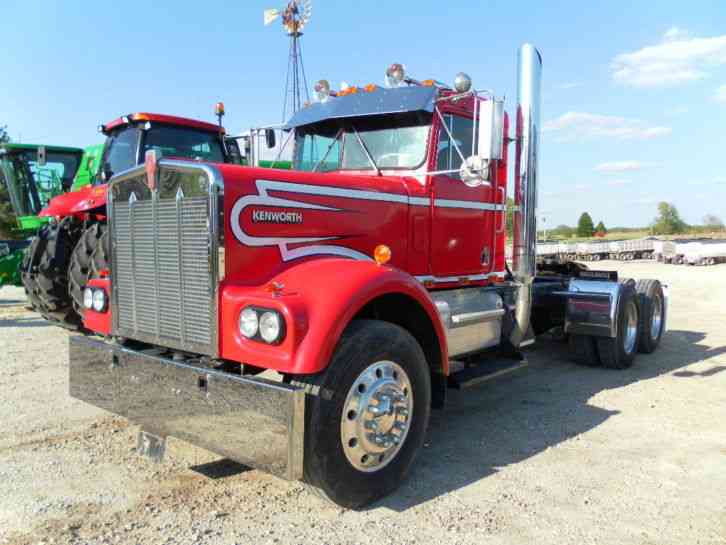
[634, 92]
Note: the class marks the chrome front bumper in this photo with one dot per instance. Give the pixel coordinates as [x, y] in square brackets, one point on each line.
[253, 421]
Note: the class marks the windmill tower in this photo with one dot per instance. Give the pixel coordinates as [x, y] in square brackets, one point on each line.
[294, 17]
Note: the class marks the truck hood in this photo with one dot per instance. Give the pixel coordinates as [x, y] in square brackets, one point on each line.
[274, 218]
[76, 202]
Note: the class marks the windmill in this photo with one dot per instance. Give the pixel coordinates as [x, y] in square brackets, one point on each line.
[294, 18]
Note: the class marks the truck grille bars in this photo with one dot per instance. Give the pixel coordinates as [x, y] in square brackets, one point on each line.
[164, 256]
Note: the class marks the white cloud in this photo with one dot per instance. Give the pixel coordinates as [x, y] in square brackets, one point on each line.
[578, 124]
[674, 33]
[677, 59]
[620, 181]
[622, 166]
[720, 94]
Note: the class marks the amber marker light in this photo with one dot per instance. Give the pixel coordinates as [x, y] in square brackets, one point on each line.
[382, 254]
[219, 108]
[370, 87]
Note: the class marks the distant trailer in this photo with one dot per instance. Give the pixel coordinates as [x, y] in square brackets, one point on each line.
[704, 253]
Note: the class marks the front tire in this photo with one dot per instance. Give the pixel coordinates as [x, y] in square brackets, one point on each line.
[366, 414]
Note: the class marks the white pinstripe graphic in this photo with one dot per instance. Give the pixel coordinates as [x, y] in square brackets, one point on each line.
[263, 198]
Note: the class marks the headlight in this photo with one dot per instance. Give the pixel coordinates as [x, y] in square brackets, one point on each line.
[248, 322]
[270, 326]
[99, 300]
[88, 298]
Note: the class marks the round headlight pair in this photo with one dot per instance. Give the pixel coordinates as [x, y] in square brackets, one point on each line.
[95, 299]
[263, 323]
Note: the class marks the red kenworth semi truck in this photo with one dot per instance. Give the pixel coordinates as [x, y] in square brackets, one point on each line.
[367, 281]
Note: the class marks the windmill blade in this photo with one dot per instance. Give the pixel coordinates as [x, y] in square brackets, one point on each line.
[270, 15]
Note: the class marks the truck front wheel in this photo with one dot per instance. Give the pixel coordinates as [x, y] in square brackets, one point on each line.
[366, 414]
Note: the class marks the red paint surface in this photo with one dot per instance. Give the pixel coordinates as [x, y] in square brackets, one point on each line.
[87, 198]
[318, 299]
[161, 118]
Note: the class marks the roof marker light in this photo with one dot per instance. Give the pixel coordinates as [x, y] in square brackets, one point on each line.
[370, 87]
[395, 75]
[322, 90]
[462, 82]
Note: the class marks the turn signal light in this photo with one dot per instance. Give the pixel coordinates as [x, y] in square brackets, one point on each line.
[382, 254]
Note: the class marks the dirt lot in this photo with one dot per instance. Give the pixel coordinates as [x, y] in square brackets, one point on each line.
[554, 454]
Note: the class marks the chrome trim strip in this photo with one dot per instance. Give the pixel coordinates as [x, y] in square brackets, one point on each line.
[469, 278]
[477, 317]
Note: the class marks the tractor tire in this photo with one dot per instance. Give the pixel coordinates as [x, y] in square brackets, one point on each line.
[619, 352]
[56, 243]
[82, 267]
[583, 350]
[356, 451]
[27, 276]
[652, 314]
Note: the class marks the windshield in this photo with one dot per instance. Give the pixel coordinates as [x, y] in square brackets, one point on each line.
[391, 142]
[169, 141]
[57, 174]
[19, 184]
[185, 143]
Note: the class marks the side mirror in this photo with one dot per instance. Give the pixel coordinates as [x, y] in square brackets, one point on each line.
[476, 169]
[270, 138]
[42, 156]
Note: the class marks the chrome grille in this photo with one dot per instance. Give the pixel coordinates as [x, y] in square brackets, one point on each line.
[164, 277]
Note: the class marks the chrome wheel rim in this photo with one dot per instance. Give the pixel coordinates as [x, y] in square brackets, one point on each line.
[657, 320]
[631, 328]
[376, 416]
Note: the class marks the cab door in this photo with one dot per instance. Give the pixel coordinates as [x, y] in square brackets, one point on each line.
[463, 217]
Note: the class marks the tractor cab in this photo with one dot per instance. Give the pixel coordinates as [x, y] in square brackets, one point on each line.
[32, 175]
[128, 138]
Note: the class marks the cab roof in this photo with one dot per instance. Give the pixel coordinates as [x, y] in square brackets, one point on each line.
[159, 118]
[12, 147]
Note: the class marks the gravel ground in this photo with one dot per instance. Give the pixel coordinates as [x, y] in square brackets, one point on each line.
[555, 453]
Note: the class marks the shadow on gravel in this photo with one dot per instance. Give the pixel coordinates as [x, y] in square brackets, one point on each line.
[220, 469]
[510, 419]
[26, 321]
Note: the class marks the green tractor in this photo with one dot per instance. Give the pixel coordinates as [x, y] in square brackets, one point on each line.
[30, 176]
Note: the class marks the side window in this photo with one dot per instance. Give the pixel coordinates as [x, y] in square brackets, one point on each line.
[311, 149]
[462, 130]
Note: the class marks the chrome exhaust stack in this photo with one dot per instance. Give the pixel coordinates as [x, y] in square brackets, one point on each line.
[524, 251]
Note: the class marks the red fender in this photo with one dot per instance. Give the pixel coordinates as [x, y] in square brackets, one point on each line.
[318, 298]
[87, 198]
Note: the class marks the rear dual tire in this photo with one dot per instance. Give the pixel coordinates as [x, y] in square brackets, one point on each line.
[640, 326]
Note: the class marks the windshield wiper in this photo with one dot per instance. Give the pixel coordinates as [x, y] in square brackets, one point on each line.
[315, 168]
[365, 149]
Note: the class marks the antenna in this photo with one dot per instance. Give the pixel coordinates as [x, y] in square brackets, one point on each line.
[294, 17]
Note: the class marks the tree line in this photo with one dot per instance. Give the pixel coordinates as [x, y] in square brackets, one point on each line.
[667, 222]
